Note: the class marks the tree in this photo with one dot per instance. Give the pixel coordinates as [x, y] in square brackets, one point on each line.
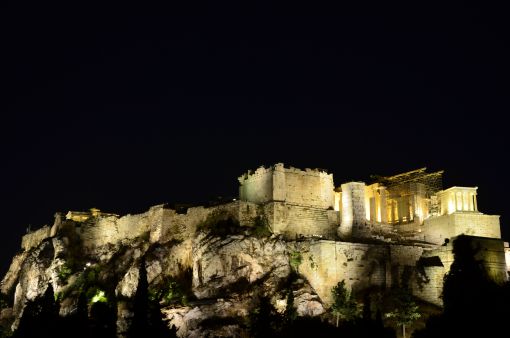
[39, 316]
[406, 310]
[147, 317]
[344, 306]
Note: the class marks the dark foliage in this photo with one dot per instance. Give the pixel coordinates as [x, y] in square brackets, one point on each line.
[147, 318]
[102, 320]
[474, 305]
[40, 317]
[262, 319]
[311, 327]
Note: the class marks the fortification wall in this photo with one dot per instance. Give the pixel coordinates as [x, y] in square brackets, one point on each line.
[257, 187]
[430, 272]
[294, 221]
[436, 229]
[491, 253]
[362, 266]
[33, 239]
[329, 262]
[182, 226]
[428, 284]
[159, 224]
[115, 230]
[248, 213]
[473, 224]
[405, 255]
[309, 187]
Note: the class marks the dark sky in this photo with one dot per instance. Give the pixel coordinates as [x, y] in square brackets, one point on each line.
[121, 108]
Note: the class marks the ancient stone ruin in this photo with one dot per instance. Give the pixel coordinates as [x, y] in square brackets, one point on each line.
[369, 235]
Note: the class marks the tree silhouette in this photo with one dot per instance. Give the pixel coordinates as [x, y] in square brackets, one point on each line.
[40, 317]
[147, 317]
[344, 306]
[474, 305]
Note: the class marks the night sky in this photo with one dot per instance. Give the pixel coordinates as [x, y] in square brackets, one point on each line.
[122, 108]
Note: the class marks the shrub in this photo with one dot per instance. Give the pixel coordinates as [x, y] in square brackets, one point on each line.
[261, 228]
[295, 260]
[96, 295]
[64, 272]
[4, 301]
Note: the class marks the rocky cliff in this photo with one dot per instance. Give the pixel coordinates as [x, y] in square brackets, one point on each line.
[205, 282]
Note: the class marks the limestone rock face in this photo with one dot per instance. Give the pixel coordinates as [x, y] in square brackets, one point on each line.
[168, 259]
[226, 279]
[307, 302]
[10, 279]
[34, 278]
[196, 321]
[236, 262]
[128, 285]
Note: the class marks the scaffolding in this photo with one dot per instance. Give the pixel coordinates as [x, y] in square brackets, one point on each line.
[411, 194]
[413, 182]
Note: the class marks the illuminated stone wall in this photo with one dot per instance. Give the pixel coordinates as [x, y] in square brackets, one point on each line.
[294, 221]
[328, 262]
[436, 229]
[113, 230]
[309, 187]
[325, 263]
[477, 225]
[428, 284]
[257, 187]
[162, 224]
[182, 226]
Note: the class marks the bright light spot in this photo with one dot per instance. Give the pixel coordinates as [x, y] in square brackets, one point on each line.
[88, 264]
[99, 297]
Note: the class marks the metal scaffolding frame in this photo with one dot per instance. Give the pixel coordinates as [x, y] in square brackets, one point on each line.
[409, 182]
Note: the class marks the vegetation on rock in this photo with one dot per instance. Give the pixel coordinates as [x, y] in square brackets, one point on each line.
[295, 259]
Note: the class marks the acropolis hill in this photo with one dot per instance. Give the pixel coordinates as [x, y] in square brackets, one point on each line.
[372, 235]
